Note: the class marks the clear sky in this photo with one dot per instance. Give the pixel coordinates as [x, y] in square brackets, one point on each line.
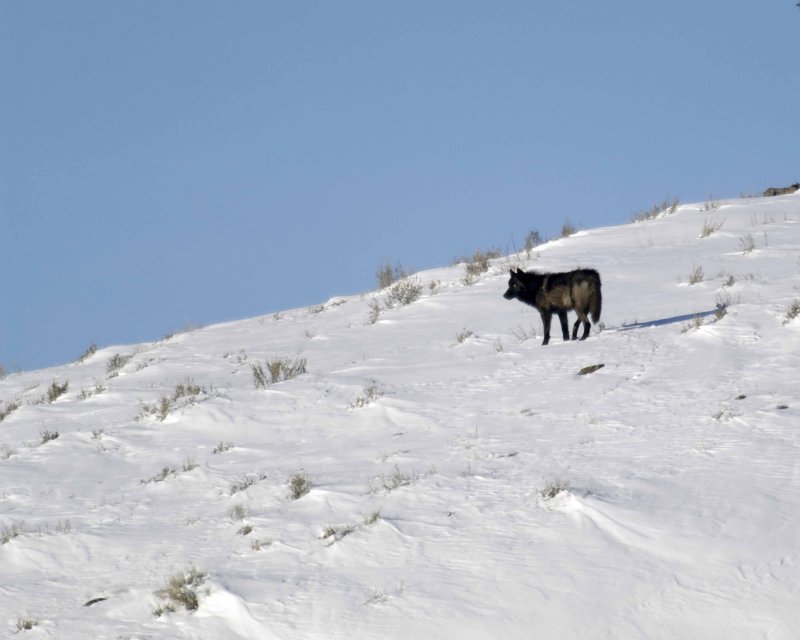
[173, 163]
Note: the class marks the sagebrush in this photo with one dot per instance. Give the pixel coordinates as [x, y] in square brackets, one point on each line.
[181, 591]
[277, 370]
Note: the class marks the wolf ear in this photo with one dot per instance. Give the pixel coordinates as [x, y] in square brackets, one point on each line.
[519, 271]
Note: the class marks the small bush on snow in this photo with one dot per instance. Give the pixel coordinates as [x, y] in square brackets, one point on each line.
[793, 311]
[47, 436]
[181, 590]
[388, 275]
[222, 447]
[553, 488]
[568, 229]
[696, 275]
[666, 207]
[391, 482]
[10, 408]
[26, 624]
[242, 483]
[277, 370]
[7, 534]
[747, 243]
[116, 362]
[238, 512]
[299, 485]
[403, 293]
[709, 227]
[55, 391]
[6, 451]
[478, 264]
[371, 393]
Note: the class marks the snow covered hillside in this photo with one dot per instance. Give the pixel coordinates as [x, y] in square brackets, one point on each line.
[431, 471]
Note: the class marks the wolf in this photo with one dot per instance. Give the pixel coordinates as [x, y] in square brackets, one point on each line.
[558, 293]
[780, 191]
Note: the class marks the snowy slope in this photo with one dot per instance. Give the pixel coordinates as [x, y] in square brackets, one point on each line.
[462, 486]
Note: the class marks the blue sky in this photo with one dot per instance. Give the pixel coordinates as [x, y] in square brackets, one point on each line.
[165, 164]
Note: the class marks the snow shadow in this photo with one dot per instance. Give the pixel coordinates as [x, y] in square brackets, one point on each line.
[683, 318]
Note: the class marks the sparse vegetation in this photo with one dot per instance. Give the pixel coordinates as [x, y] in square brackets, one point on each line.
[188, 465]
[162, 475]
[696, 323]
[55, 391]
[711, 204]
[723, 414]
[696, 275]
[477, 264]
[8, 533]
[372, 518]
[747, 243]
[463, 336]
[387, 275]
[522, 335]
[6, 451]
[709, 227]
[403, 293]
[370, 394]
[48, 436]
[394, 481]
[86, 394]
[399, 294]
[277, 370]
[553, 488]
[181, 591]
[793, 311]
[668, 206]
[222, 447]
[117, 362]
[26, 624]
[532, 240]
[185, 394]
[90, 351]
[242, 483]
[331, 534]
[187, 389]
[568, 229]
[299, 485]
[9, 408]
[238, 513]
[258, 545]
[374, 311]
[729, 280]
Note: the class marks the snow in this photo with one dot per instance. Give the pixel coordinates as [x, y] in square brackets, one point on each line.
[462, 485]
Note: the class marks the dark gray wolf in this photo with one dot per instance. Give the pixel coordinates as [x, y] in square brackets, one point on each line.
[780, 191]
[558, 293]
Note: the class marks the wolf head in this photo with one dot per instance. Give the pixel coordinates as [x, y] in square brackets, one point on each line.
[516, 285]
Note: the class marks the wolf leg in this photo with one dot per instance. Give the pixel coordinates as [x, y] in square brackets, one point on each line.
[546, 317]
[582, 318]
[562, 316]
[575, 329]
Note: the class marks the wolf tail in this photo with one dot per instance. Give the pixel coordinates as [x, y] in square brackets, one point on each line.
[596, 300]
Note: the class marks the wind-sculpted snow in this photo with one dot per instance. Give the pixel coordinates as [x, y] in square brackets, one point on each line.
[464, 481]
